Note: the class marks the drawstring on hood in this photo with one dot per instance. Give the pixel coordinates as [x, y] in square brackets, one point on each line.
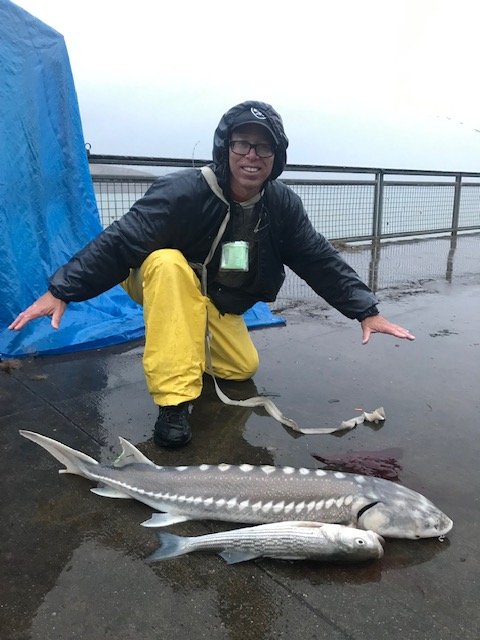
[267, 116]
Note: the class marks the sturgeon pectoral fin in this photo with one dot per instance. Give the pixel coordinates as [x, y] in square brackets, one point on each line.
[164, 519]
[232, 557]
[110, 492]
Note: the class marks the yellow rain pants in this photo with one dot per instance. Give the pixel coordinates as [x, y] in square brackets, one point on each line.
[175, 313]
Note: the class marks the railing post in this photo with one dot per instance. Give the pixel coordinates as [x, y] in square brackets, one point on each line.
[378, 206]
[456, 203]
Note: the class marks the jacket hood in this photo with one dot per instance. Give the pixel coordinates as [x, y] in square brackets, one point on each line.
[271, 119]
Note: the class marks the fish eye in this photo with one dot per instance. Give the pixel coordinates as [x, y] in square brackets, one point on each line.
[360, 541]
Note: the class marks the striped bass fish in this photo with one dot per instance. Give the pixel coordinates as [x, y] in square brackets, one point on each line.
[255, 494]
[290, 540]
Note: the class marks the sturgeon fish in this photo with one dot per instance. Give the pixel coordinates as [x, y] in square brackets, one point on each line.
[255, 494]
[289, 540]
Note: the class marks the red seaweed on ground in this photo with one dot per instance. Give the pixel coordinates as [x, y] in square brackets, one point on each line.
[381, 464]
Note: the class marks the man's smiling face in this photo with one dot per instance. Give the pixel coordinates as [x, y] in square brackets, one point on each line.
[249, 172]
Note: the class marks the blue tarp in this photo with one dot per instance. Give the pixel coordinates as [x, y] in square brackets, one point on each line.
[260, 316]
[47, 202]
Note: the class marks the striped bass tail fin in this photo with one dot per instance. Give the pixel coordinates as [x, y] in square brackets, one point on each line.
[73, 460]
[172, 546]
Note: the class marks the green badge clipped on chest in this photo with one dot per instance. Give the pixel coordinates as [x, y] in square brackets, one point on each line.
[234, 256]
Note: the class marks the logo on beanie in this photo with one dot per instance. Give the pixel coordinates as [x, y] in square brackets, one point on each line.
[258, 114]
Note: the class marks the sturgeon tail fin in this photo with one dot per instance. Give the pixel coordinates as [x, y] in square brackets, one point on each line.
[72, 459]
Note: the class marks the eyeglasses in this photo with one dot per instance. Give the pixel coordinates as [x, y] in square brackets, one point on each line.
[242, 148]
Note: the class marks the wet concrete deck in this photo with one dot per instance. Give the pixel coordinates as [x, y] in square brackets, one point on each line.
[73, 563]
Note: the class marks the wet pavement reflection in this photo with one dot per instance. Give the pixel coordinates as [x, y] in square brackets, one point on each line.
[73, 562]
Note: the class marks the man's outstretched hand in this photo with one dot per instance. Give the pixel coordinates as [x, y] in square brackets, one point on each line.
[379, 324]
[46, 305]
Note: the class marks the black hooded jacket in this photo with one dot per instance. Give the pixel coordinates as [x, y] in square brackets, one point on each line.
[181, 211]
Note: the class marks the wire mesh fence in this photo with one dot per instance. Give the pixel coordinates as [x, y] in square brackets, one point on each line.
[414, 203]
[417, 208]
[338, 210]
[115, 196]
[403, 265]
[469, 206]
[366, 219]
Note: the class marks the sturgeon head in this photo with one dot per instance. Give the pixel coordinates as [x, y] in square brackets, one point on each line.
[403, 513]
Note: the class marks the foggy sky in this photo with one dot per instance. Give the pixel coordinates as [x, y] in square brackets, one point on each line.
[359, 84]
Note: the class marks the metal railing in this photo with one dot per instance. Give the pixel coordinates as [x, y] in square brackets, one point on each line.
[357, 204]
[363, 206]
